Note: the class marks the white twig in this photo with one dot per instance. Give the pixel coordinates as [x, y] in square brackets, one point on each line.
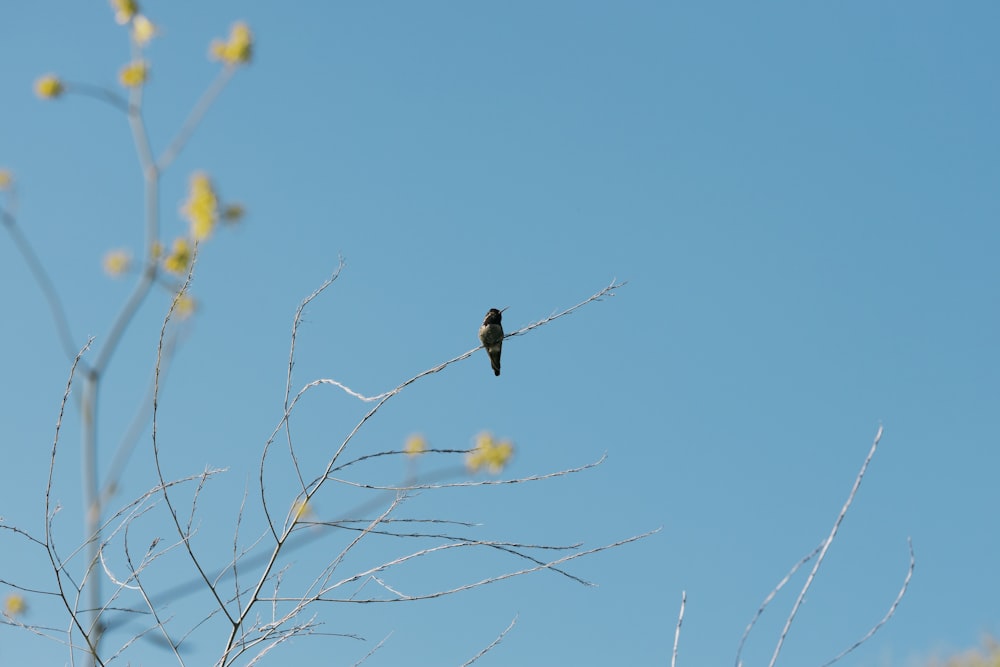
[492, 644]
[481, 482]
[607, 291]
[677, 632]
[888, 615]
[372, 652]
[464, 587]
[826, 545]
[769, 598]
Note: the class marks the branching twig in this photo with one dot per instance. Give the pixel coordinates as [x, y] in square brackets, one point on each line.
[451, 591]
[156, 450]
[769, 598]
[54, 560]
[296, 322]
[607, 291]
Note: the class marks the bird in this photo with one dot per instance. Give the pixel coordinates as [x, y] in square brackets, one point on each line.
[491, 336]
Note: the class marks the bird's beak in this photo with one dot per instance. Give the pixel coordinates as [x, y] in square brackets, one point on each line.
[504, 308]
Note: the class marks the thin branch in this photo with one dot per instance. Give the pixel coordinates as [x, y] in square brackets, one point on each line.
[506, 547]
[135, 428]
[769, 598]
[296, 322]
[482, 482]
[140, 136]
[372, 652]
[826, 546]
[888, 615]
[124, 318]
[493, 644]
[156, 449]
[99, 93]
[50, 548]
[385, 396]
[489, 580]
[195, 117]
[45, 283]
[677, 632]
[607, 291]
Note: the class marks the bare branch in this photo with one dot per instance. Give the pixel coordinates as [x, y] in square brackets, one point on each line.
[492, 644]
[482, 482]
[436, 594]
[677, 632]
[50, 548]
[826, 546]
[888, 615]
[769, 598]
[135, 428]
[156, 449]
[506, 547]
[194, 119]
[296, 322]
[45, 283]
[99, 93]
[607, 291]
[372, 652]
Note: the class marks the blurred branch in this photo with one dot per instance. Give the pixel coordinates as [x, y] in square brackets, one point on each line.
[45, 283]
[481, 482]
[135, 428]
[98, 93]
[194, 118]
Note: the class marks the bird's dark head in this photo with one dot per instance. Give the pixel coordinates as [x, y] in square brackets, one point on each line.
[493, 317]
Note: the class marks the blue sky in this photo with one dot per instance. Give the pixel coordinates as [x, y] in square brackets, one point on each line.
[802, 197]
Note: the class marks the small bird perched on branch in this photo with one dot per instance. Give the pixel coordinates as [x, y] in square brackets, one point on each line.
[491, 336]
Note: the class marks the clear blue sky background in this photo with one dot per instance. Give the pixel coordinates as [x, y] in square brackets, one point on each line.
[803, 197]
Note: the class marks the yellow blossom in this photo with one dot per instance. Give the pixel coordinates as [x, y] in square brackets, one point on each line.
[301, 510]
[238, 49]
[117, 262]
[415, 444]
[15, 605]
[180, 257]
[125, 10]
[156, 250]
[201, 207]
[6, 179]
[489, 453]
[233, 213]
[185, 306]
[134, 74]
[49, 87]
[143, 30]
